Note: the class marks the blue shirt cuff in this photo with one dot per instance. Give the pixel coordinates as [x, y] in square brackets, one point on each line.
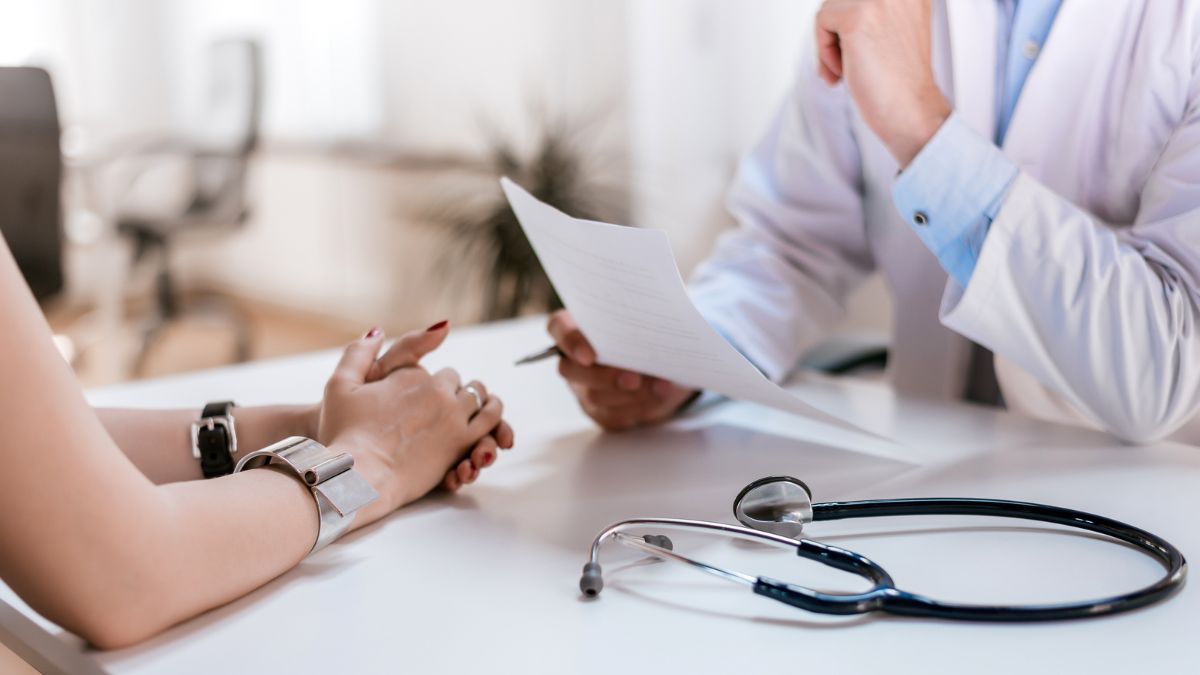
[951, 192]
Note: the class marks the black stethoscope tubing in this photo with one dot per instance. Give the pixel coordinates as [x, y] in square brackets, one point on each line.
[885, 597]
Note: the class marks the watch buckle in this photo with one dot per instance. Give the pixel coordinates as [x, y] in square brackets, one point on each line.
[210, 424]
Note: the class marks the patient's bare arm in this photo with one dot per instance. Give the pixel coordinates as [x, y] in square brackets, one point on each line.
[158, 442]
[94, 545]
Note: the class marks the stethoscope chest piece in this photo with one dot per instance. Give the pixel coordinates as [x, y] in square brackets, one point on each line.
[780, 505]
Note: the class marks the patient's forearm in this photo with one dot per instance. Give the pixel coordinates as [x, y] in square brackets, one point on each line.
[158, 442]
[163, 555]
[88, 540]
[227, 537]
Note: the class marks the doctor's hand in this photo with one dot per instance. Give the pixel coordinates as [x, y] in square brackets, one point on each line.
[616, 399]
[881, 49]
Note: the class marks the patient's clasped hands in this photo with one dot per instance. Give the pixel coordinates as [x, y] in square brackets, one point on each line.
[408, 430]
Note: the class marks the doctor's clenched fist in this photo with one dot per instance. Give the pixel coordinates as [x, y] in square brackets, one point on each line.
[616, 399]
[881, 49]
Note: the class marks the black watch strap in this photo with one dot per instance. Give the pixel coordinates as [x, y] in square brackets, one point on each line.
[214, 440]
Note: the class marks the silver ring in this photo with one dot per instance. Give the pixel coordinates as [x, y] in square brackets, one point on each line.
[470, 389]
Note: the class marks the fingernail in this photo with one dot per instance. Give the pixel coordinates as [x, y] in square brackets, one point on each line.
[374, 332]
[437, 326]
[583, 355]
[488, 458]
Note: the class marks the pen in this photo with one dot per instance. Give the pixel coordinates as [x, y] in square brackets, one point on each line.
[546, 353]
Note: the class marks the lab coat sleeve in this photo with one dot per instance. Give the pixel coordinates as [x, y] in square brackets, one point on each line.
[951, 192]
[1104, 317]
[774, 285]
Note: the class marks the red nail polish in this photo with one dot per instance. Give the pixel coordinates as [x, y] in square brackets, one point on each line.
[488, 458]
[374, 332]
[437, 326]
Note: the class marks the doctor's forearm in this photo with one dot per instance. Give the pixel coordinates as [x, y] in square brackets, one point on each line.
[158, 442]
[1087, 313]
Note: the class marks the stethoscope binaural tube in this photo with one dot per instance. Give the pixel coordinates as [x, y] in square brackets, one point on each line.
[591, 583]
[884, 596]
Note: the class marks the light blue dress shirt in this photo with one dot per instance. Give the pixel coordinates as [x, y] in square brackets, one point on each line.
[953, 189]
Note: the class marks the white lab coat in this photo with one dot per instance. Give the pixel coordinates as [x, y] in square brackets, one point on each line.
[1088, 284]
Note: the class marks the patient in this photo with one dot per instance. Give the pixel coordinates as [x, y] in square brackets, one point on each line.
[106, 529]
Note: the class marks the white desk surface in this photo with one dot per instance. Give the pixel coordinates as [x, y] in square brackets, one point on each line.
[486, 581]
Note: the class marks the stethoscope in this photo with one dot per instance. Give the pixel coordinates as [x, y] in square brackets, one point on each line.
[776, 509]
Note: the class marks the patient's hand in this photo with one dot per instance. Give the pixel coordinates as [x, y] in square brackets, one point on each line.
[407, 428]
[408, 351]
[616, 399]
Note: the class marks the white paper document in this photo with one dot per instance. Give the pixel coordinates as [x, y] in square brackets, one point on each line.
[624, 289]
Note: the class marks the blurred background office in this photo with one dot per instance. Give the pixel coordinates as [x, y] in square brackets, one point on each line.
[242, 179]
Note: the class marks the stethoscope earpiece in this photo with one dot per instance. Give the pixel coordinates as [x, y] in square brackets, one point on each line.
[592, 580]
[779, 505]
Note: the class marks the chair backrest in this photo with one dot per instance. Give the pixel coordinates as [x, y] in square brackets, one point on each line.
[31, 176]
[229, 129]
[232, 102]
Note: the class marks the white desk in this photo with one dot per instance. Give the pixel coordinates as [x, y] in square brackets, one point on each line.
[486, 581]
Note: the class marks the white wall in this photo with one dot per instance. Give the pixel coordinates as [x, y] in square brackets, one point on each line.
[418, 76]
[106, 58]
[321, 60]
[704, 78]
[458, 70]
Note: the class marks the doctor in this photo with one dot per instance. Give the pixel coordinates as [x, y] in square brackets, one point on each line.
[1026, 176]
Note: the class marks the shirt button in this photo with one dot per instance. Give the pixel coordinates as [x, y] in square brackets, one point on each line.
[1030, 50]
[920, 218]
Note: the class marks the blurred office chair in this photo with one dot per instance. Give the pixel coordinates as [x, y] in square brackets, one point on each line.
[217, 157]
[31, 170]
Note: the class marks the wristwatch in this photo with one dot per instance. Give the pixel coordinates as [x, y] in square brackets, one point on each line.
[338, 489]
[214, 439]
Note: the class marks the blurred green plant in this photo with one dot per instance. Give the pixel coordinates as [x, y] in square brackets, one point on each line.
[565, 170]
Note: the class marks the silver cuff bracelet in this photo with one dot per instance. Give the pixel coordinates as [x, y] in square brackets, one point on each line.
[338, 489]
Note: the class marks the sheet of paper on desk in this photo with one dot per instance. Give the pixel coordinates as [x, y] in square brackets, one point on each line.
[625, 291]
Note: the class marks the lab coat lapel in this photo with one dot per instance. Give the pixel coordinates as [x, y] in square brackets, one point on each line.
[972, 26]
[1069, 73]
[1046, 89]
